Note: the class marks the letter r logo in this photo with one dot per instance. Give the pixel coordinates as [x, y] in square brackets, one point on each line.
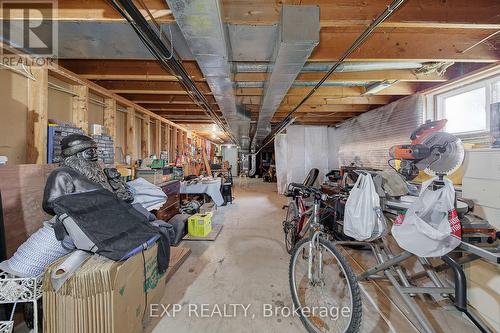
[30, 26]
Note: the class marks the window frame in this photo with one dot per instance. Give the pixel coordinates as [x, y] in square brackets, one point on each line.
[435, 102]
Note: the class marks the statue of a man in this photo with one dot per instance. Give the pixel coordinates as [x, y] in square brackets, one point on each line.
[80, 171]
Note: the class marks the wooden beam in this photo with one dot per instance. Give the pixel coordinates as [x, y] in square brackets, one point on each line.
[406, 44]
[110, 117]
[36, 140]
[173, 99]
[417, 13]
[399, 88]
[129, 77]
[157, 140]
[102, 11]
[315, 100]
[399, 75]
[327, 108]
[145, 137]
[198, 121]
[130, 148]
[173, 145]
[80, 107]
[165, 138]
[106, 69]
[70, 77]
[149, 85]
[168, 106]
[149, 92]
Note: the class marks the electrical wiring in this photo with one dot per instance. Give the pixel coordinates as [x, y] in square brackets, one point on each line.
[395, 4]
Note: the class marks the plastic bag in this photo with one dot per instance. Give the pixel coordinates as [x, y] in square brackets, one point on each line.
[363, 217]
[430, 227]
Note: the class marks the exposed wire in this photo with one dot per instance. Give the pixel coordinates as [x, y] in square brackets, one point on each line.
[481, 41]
[23, 72]
[158, 49]
[159, 27]
[357, 43]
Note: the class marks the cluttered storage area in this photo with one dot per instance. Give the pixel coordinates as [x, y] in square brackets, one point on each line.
[249, 166]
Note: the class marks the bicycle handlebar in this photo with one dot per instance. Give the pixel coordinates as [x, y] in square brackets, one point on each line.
[308, 190]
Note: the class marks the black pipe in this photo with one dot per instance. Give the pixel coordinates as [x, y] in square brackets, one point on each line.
[460, 283]
[395, 4]
[168, 61]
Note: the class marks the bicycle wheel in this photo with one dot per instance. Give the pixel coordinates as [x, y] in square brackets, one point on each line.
[331, 301]
[290, 226]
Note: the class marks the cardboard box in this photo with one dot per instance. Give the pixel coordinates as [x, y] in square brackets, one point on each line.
[104, 296]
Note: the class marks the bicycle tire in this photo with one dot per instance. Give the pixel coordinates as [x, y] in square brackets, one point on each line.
[291, 218]
[357, 312]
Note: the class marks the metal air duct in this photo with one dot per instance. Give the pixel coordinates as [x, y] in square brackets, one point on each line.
[201, 24]
[294, 45]
[361, 66]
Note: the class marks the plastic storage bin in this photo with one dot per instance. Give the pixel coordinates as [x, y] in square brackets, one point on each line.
[200, 225]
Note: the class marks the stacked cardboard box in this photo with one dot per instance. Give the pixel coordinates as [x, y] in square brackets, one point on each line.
[104, 296]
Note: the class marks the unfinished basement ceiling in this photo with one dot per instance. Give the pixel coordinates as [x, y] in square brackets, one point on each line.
[108, 52]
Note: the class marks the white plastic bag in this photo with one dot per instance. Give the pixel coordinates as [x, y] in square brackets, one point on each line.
[430, 227]
[363, 218]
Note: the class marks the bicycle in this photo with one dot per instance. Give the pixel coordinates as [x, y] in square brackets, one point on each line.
[323, 286]
[297, 212]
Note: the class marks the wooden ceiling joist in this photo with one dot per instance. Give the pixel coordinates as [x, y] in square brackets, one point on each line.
[100, 69]
[327, 108]
[149, 85]
[168, 106]
[427, 13]
[399, 74]
[174, 99]
[377, 100]
[406, 44]
[400, 88]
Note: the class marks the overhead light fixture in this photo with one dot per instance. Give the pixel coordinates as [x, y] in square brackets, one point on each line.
[374, 88]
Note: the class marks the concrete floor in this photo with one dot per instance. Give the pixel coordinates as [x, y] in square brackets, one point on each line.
[248, 265]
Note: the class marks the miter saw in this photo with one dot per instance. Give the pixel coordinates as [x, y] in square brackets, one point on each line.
[437, 153]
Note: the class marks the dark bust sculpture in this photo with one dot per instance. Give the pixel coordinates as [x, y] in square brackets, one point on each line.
[80, 171]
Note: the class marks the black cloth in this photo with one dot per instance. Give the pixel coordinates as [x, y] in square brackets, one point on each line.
[114, 226]
[62, 181]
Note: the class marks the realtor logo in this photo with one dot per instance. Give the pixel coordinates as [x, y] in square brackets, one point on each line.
[28, 27]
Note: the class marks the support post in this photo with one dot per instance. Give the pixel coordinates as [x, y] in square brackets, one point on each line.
[145, 138]
[131, 133]
[81, 107]
[157, 140]
[110, 117]
[36, 145]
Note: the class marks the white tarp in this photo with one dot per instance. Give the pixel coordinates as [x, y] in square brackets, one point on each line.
[300, 150]
[364, 140]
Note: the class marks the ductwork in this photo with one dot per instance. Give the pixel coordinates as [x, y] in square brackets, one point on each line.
[201, 25]
[294, 45]
[242, 67]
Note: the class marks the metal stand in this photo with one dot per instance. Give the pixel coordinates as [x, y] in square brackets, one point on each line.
[389, 265]
[19, 290]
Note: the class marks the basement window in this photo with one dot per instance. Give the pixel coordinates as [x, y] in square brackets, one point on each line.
[468, 108]
[466, 112]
